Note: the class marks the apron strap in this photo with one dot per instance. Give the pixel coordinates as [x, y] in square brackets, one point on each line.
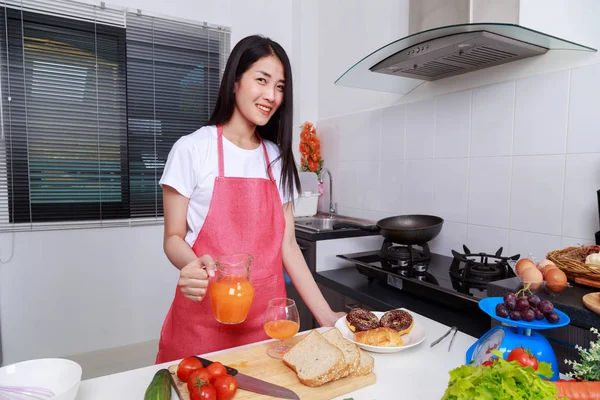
[220, 147]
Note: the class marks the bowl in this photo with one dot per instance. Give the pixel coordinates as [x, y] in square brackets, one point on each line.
[60, 376]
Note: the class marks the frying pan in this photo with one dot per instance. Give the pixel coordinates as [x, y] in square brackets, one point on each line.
[404, 229]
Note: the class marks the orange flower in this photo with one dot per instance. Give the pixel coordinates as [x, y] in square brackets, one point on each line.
[315, 156]
[313, 166]
[304, 136]
[303, 148]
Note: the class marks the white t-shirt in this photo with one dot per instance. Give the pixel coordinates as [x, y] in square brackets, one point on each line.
[193, 164]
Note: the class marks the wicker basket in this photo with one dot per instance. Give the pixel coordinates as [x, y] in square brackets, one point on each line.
[571, 261]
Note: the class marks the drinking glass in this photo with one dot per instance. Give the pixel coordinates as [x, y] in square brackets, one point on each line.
[281, 322]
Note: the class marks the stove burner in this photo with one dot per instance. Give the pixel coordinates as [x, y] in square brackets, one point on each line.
[404, 255]
[475, 271]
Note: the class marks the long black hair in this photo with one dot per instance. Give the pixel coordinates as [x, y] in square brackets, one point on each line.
[279, 129]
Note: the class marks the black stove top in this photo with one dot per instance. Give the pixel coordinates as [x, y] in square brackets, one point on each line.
[440, 278]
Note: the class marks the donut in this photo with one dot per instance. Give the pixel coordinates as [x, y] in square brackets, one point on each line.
[359, 320]
[399, 320]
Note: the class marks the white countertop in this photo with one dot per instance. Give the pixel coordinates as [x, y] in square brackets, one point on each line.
[416, 373]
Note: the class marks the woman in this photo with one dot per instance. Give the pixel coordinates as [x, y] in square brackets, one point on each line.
[209, 211]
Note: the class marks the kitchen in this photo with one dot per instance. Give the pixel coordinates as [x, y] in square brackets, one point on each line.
[472, 129]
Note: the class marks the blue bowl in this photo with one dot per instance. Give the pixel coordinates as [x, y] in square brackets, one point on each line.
[488, 305]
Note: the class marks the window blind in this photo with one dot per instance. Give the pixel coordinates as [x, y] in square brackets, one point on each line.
[173, 75]
[64, 118]
[89, 111]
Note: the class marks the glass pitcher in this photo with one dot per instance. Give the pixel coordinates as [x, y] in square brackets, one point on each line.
[231, 292]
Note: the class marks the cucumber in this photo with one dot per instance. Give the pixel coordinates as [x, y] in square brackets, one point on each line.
[160, 387]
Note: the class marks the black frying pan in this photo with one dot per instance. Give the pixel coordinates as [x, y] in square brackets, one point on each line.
[404, 229]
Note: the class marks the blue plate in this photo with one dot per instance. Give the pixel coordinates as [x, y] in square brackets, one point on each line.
[488, 305]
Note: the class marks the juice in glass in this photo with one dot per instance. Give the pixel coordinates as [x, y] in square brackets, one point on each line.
[231, 292]
[281, 329]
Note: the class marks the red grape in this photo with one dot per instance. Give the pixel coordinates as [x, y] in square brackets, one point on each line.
[510, 297]
[510, 304]
[534, 300]
[538, 314]
[545, 306]
[515, 315]
[552, 317]
[529, 315]
[501, 310]
[522, 304]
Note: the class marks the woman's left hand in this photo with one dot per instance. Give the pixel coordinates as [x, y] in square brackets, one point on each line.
[332, 318]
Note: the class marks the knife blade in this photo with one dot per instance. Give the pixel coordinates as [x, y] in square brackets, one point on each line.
[255, 385]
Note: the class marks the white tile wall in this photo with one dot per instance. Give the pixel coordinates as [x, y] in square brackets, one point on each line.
[420, 118]
[418, 181]
[513, 165]
[489, 191]
[492, 120]
[487, 239]
[392, 133]
[541, 114]
[452, 125]
[580, 216]
[584, 134]
[450, 192]
[537, 194]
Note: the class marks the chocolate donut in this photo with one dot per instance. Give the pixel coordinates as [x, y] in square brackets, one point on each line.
[359, 320]
[399, 320]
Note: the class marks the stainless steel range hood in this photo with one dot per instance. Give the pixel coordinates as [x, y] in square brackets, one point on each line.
[444, 51]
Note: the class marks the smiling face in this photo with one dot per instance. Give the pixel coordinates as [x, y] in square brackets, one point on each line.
[259, 92]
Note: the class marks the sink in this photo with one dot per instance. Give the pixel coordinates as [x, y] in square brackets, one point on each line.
[320, 223]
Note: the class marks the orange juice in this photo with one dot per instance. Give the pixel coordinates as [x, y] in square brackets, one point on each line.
[231, 298]
[281, 329]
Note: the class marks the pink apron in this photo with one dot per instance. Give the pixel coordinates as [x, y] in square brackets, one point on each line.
[245, 216]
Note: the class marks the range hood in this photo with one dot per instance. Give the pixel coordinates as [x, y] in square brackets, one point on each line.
[433, 52]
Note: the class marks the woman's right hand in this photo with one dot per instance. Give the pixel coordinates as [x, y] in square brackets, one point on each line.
[193, 278]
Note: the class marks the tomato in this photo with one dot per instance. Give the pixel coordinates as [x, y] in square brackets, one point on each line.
[186, 366]
[197, 378]
[489, 363]
[204, 392]
[216, 369]
[226, 386]
[523, 357]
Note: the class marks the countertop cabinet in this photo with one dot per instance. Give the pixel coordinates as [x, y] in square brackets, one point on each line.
[338, 302]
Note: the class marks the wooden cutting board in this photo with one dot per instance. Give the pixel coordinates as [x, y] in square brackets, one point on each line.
[592, 301]
[255, 362]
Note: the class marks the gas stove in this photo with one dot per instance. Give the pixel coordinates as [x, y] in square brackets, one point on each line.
[456, 281]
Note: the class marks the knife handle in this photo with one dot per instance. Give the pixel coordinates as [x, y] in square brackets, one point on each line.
[206, 363]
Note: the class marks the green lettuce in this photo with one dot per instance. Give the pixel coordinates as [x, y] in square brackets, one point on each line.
[502, 380]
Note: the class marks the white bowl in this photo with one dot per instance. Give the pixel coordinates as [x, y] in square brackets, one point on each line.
[413, 338]
[60, 376]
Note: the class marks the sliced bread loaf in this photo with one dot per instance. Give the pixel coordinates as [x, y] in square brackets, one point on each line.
[315, 360]
[366, 365]
[350, 351]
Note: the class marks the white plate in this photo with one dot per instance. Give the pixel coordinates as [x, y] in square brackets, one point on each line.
[411, 339]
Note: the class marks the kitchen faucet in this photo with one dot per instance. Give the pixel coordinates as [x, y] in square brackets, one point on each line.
[321, 179]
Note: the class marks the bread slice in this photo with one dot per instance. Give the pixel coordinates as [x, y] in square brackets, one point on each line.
[367, 363]
[351, 352]
[315, 360]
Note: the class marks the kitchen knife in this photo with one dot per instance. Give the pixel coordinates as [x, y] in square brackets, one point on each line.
[255, 385]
